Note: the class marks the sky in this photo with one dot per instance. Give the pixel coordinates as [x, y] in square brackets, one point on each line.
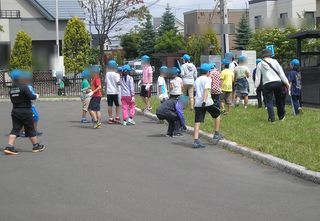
[180, 6]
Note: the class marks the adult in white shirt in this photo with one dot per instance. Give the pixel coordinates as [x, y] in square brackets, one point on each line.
[188, 74]
[203, 104]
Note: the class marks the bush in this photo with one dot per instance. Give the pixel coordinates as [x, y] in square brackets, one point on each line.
[21, 55]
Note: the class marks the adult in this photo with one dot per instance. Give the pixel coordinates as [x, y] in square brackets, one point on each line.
[273, 80]
[188, 74]
[147, 79]
[295, 83]
[259, 89]
[241, 73]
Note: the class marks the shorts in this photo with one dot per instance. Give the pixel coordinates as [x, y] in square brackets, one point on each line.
[35, 113]
[144, 92]
[226, 97]
[216, 100]
[200, 113]
[242, 87]
[85, 104]
[23, 118]
[113, 99]
[94, 104]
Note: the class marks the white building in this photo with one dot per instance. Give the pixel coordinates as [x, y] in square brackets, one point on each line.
[281, 13]
[178, 24]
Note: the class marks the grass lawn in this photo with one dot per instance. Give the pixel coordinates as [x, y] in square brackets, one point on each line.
[296, 140]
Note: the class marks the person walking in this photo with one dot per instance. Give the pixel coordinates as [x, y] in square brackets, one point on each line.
[188, 74]
[273, 80]
[241, 73]
[146, 81]
[295, 83]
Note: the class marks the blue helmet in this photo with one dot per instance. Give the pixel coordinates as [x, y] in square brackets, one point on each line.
[145, 58]
[183, 100]
[15, 74]
[213, 65]
[95, 69]
[205, 68]
[126, 68]
[229, 55]
[186, 57]
[112, 64]
[225, 62]
[120, 69]
[164, 69]
[174, 71]
[258, 60]
[295, 62]
[242, 58]
[86, 73]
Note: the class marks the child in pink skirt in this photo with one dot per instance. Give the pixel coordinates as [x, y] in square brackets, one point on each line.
[127, 96]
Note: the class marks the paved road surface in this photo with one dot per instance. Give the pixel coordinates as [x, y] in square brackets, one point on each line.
[135, 174]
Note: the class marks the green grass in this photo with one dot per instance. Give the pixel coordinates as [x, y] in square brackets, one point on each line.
[296, 140]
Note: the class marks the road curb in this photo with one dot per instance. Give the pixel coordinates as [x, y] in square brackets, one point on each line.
[48, 99]
[267, 159]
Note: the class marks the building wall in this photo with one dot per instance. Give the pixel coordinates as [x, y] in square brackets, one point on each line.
[318, 9]
[26, 9]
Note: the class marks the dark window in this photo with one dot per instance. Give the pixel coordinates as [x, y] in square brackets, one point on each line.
[257, 22]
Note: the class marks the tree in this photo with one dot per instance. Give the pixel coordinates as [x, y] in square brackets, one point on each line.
[1, 28]
[108, 14]
[198, 44]
[130, 44]
[169, 42]
[94, 55]
[119, 58]
[76, 48]
[167, 22]
[148, 37]
[21, 55]
[243, 33]
[285, 48]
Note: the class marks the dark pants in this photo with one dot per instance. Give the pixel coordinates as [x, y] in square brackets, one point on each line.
[259, 92]
[174, 124]
[216, 100]
[274, 89]
[297, 103]
[23, 118]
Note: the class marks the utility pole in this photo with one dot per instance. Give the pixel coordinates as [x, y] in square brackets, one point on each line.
[57, 30]
[224, 23]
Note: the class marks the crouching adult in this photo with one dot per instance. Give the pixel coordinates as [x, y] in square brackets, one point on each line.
[172, 111]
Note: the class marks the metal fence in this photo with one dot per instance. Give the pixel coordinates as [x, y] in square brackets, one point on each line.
[46, 85]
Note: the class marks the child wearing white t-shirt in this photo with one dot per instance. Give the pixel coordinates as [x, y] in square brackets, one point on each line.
[162, 85]
[203, 104]
[176, 84]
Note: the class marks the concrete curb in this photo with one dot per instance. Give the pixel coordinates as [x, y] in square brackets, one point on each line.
[48, 99]
[264, 158]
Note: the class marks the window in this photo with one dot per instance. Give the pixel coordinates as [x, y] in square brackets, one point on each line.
[309, 15]
[284, 15]
[258, 21]
[283, 19]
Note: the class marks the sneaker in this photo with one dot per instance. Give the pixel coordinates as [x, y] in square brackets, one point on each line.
[38, 148]
[97, 125]
[198, 145]
[216, 138]
[131, 122]
[110, 121]
[124, 123]
[39, 133]
[168, 135]
[178, 135]
[10, 151]
[117, 120]
[84, 121]
[282, 119]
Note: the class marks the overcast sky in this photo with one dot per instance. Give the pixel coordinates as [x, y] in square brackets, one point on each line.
[180, 6]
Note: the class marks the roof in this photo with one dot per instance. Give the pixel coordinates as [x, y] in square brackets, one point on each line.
[305, 34]
[211, 10]
[67, 9]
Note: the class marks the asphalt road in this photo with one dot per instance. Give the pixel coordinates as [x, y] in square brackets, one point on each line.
[136, 174]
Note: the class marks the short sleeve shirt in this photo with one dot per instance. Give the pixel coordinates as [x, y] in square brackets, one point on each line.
[85, 85]
[95, 83]
[240, 72]
[112, 82]
[201, 84]
[216, 82]
[162, 85]
[147, 75]
[177, 86]
[227, 78]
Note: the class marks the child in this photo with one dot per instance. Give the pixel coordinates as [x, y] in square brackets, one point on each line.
[21, 114]
[176, 84]
[162, 86]
[295, 86]
[86, 94]
[147, 79]
[127, 96]
[94, 105]
[227, 78]
[215, 85]
[172, 110]
[112, 83]
[241, 73]
[203, 104]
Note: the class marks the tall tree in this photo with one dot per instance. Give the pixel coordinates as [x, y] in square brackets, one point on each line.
[106, 15]
[21, 55]
[170, 42]
[243, 33]
[130, 44]
[94, 55]
[148, 37]
[167, 22]
[76, 47]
